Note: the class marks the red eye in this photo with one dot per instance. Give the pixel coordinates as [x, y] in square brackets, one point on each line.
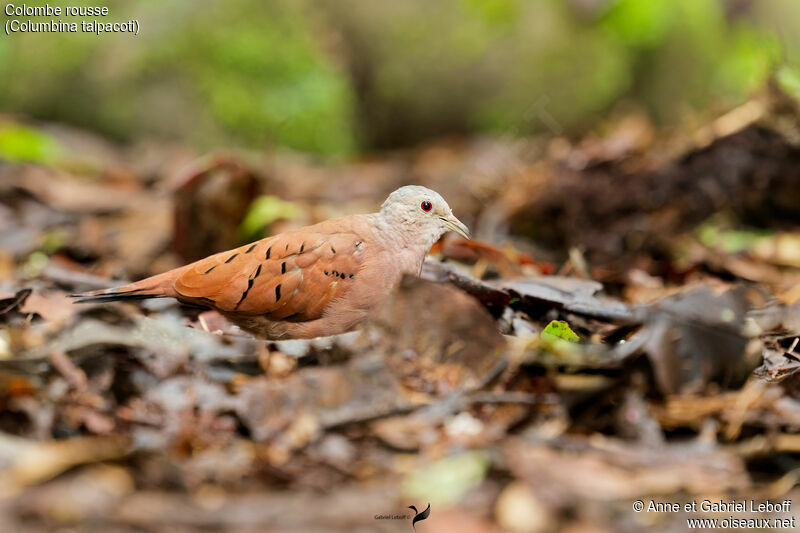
[426, 206]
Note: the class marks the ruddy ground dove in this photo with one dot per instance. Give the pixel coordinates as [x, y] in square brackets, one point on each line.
[310, 282]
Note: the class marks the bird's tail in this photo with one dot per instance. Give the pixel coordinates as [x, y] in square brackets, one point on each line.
[159, 286]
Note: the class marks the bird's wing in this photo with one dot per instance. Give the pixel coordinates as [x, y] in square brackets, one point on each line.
[291, 276]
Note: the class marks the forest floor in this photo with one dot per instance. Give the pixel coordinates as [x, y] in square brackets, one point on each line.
[623, 327]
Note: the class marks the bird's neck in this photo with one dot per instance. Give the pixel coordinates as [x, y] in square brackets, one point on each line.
[397, 232]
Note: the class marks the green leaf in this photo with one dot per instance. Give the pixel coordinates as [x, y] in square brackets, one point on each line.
[264, 211]
[729, 241]
[447, 480]
[558, 330]
[21, 143]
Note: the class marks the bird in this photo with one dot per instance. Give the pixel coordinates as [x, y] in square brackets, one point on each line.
[315, 281]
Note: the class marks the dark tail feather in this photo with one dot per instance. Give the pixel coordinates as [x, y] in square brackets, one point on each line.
[113, 295]
[159, 286]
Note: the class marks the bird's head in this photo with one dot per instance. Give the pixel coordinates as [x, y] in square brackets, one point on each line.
[421, 212]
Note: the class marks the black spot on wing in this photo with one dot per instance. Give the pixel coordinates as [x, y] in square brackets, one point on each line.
[277, 293]
[269, 250]
[210, 269]
[283, 268]
[251, 248]
[244, 294]
[231, 258]
[249, 286]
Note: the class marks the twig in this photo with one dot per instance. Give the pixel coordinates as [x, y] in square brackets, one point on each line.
[74, 375]
[73, 279]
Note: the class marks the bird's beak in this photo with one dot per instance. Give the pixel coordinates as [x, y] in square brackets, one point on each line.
[456, 225]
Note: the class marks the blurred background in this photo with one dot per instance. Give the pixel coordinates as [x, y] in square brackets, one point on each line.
[650, 145]
[352, 77]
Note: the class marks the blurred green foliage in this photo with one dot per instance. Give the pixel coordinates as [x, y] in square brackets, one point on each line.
[239, 72]
[513, 66]
[788, 78]
[21, 143]
[262, 212]
[334, 77]
[696, 54]
[714, 233]
[445, 481]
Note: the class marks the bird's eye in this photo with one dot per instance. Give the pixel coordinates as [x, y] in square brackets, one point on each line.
[426, 206]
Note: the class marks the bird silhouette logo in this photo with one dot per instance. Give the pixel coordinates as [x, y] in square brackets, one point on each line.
[419, 516]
